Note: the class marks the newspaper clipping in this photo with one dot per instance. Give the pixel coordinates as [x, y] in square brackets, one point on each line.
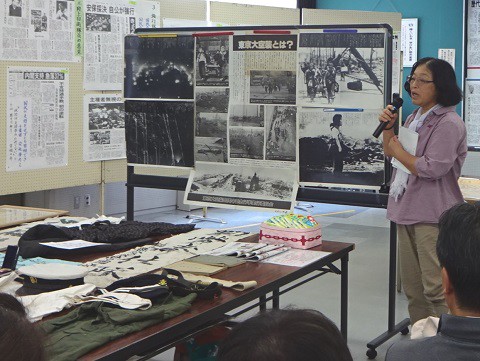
[473, 43]
[341, 70]
[263, 69]
[37, 118]
[250, 187]
[104, 127]
[41, 30]
[472, 112]
[338, 147]
[106, 24]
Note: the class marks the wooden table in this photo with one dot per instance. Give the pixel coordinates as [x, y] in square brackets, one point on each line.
[273, 281]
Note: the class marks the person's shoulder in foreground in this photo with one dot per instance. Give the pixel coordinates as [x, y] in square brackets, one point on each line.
[458, 338]
[285, 335]
[458, 334]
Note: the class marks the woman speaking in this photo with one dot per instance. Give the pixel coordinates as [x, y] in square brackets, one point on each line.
[418, 197]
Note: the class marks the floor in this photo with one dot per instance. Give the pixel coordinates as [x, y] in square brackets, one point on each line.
[368, 268]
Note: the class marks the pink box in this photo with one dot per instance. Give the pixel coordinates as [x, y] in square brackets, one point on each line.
[303, 238]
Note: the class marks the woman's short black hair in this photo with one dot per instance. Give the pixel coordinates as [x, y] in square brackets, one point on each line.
[285, 335]
[448, 92]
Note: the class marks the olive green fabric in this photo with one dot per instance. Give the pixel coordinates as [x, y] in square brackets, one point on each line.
[94, 324]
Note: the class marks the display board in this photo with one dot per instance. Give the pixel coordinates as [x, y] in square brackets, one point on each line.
[269, 108]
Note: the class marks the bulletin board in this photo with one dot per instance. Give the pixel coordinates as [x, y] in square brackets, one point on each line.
[76, 172]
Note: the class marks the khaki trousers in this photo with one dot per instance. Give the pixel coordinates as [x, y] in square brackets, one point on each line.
[420, 270]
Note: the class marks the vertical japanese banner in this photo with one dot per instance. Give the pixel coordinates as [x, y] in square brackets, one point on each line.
[409, 41]
[37, 118]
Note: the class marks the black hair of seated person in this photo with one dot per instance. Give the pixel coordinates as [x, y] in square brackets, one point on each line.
[458, 251]
[285, 335]
[20, 340]
[9, 302]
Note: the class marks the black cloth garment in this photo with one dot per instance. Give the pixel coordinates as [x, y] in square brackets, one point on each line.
[126, 234]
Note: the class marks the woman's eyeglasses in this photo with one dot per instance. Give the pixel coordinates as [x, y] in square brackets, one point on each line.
[420, 81]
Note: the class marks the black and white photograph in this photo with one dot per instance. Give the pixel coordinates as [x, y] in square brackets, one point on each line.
[338, 147]
[281, 131]
[211, 125]
[15, 8]
[159, 132]
[344, 70]
[106, 116]
[159, 67]
[272, 87]
[39, 21]
[246, 142]
[211, 149]
[211, 100]
[98, 22]
[246, 115]
[61, 13]
[100, 137]
[245, 187]
[211, 54]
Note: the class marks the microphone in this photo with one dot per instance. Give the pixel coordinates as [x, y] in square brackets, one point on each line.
[397, 103]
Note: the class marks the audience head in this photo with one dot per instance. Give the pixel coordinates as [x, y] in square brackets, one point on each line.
[285, 335]
[10, 303]
[458, 250]
[20, 340]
